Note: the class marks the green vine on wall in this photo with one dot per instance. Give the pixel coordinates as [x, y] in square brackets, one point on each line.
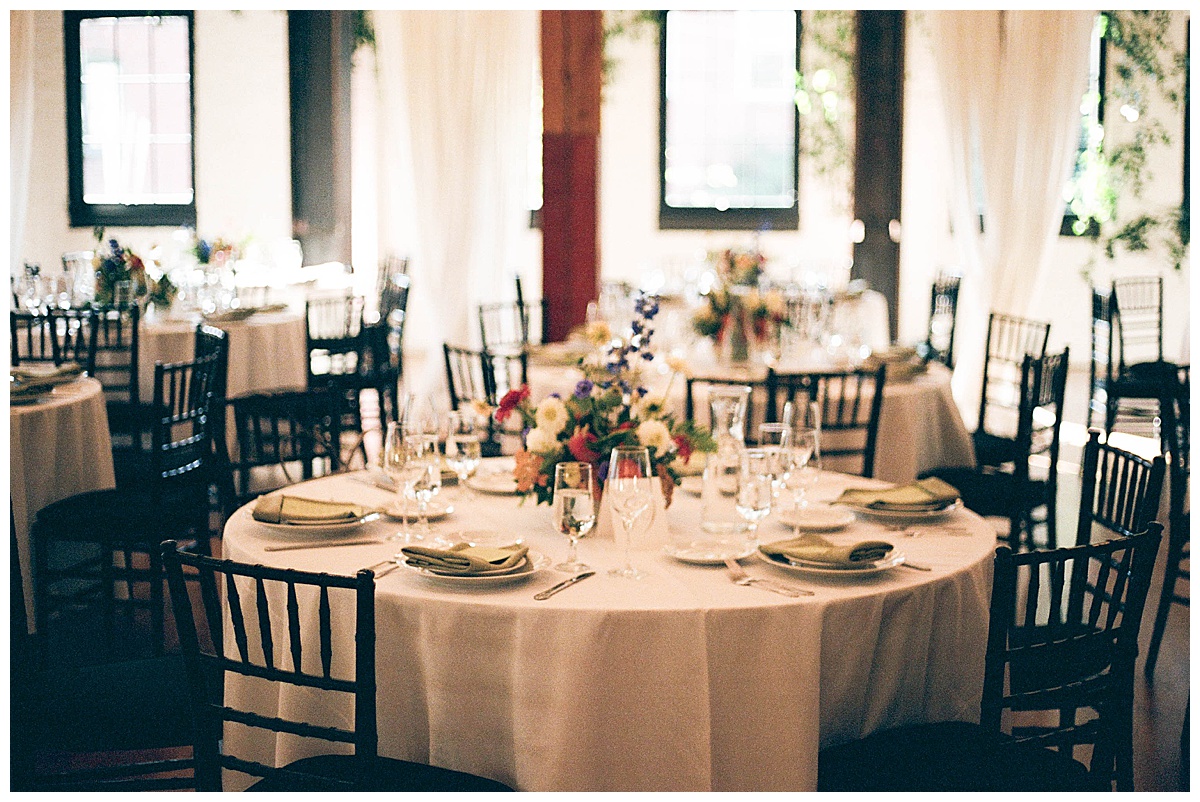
[825, 91]
[1112, 176]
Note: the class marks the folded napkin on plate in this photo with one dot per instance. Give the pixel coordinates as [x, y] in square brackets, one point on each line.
[230, 316]
[267, 309]
[463, 559]
[42, 379]
[816, 549]
[278, 508]
[922, 495]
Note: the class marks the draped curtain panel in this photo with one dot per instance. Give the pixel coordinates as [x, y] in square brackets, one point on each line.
[20, 143]
[1011, 83]
[454, 109]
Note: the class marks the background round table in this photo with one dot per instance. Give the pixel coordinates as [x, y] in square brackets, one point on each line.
[267, 351]
[681, 681]
[58, 447]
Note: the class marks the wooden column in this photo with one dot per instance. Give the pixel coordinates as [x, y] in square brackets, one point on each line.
[320, 46]
[572, 50]
[878, 151]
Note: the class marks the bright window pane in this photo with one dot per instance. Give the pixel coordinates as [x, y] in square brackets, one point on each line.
[135, 96]
[730, 110]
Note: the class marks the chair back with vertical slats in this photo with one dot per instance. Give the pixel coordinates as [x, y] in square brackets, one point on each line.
[1137, 314]
[510, 325]
[1009, 340]
[282, 438]
[1120, 491]
[58, 336]
[469, 375]
[334, 333]
[943, 318]
[850, 403]
[1063, 631]
[117, 344]
[260, 608]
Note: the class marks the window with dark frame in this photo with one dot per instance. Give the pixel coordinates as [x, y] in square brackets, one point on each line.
[130, 120]
[1091, 134]
[728, 122]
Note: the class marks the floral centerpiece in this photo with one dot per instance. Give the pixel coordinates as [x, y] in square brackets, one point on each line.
[610, 407]
[218, 251]
[734, 309]
[114, 263]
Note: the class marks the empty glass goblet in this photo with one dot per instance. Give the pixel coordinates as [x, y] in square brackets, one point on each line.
[631, 490]
[574, 508]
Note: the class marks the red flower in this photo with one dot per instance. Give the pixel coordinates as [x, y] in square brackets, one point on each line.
[624, 426]
[579, 444]
[683, 445]
[511, 400]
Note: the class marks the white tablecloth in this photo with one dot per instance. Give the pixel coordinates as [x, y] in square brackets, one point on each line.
[267, 351]
[58, 447]
[681, 681]
[920, 427]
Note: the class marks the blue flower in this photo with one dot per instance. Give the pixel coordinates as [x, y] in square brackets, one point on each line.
[583, 389]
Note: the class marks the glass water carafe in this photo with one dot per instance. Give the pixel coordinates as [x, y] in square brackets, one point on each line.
[727, 406]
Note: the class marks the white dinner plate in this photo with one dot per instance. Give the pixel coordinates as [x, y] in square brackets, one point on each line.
[805, 567]
[706, 554]
[434, 511]
[501, 483]
[537, 561]
[817, 518]
[307, 530]
[905, 516]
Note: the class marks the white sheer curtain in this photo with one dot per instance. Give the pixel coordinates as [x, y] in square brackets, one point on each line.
[454, 125]
[20, 143]
[1011, 83]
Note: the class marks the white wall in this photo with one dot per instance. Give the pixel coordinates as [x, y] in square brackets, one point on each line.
[243, 169]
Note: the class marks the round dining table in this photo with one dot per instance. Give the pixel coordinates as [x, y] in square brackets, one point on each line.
[267, 350]
[679, 681]
[59, 446]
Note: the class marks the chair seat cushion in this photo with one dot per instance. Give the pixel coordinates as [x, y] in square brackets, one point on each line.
[991, 449]
[991, 493]
[386, 774]
[947, 756]
[138, 704]
[125, 515]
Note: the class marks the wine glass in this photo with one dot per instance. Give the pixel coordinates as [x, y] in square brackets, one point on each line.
[463, 449]
[629, 486]
[395, 465]
[426, 477]
[755, 487]
[420, 416]
[574, 508]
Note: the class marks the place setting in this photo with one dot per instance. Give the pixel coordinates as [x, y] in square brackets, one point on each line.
[477, 562]
[33, 384]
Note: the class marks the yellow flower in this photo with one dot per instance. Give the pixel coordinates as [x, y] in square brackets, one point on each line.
[677, 364]
[597, 333]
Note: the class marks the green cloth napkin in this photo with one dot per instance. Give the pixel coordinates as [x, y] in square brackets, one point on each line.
[36, 380]
[279, 508]
[816, 549]
[230, 316]
[463, 559]
[923, 495]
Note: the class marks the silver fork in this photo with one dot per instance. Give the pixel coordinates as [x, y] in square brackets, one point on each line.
[740, 577]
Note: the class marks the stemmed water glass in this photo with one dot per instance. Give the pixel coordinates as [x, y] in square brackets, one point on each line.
[426, 476]
[755, 487]
[804, 464]
[420, 416]
[775, 439]
[396, 466]
[463, 449]
[574, 508]
[631, 490]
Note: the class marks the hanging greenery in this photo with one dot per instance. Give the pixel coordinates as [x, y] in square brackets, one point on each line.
[627, 23]
[825, 92]
[1111, 176]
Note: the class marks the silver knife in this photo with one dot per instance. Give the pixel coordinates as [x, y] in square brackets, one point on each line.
[323, 544]
[566, 583]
